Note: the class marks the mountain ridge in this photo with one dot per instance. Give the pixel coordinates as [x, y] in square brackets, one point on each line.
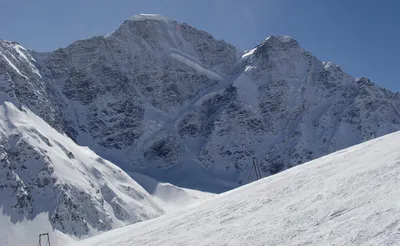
[166, 75]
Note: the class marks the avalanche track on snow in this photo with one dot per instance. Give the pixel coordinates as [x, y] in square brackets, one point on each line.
[349, 197]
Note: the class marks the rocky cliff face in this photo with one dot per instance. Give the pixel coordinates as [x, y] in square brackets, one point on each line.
[287, 107]
[168, 100]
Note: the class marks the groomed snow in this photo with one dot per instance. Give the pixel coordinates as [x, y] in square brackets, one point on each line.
[347, 198]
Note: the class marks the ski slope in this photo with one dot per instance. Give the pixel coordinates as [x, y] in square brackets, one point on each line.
[350, 197]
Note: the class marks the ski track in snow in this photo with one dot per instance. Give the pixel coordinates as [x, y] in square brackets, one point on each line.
[346, 198]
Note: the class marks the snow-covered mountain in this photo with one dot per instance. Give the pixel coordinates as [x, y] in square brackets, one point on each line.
[347, 198]
[166, 100]
[49, 183]
[122, 94]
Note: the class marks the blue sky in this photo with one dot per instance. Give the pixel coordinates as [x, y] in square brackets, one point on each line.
[362, 36]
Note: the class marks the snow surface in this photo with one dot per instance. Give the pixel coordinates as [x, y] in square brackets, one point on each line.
[25, 233]
[196, 66]
[141, 17]
[172, 198]
[349, 197]
[12, 65]
[248, 53]
[283, 38]
[247, 90]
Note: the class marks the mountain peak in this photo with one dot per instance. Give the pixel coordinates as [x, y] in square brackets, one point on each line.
[276, 43]
[144, 17]
[279, 41]
[281, 38]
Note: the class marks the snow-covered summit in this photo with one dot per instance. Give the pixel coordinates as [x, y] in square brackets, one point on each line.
[155, 17]
[279, 40]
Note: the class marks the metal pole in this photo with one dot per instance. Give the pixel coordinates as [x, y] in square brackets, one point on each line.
[259, 171]
[256, 169]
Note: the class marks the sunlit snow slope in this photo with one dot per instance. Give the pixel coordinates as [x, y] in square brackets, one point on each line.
[172, 198]
[50, 184]
[350, 197]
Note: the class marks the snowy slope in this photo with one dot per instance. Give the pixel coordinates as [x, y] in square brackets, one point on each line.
[171, 197]
[349, 197]
[50, 184]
